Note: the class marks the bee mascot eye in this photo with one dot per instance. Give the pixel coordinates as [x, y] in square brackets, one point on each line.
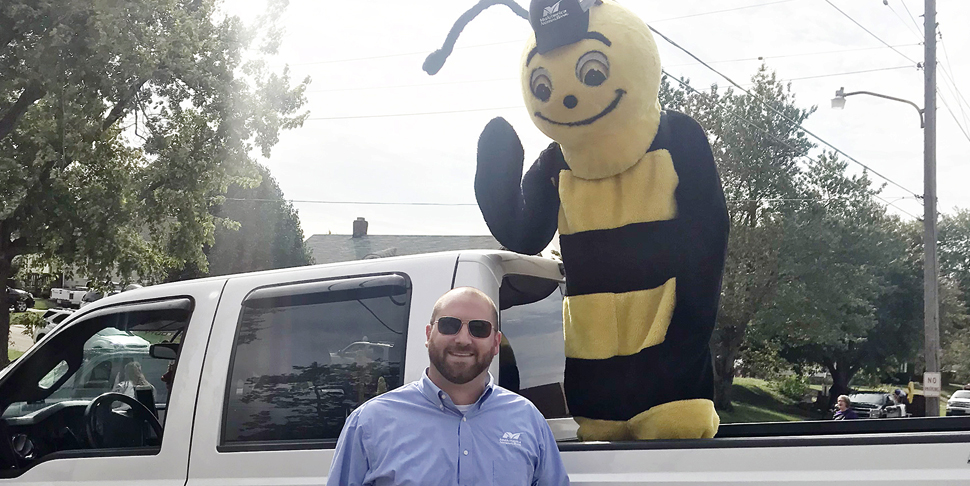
[634, 193]
[541, 84]
[593, 68]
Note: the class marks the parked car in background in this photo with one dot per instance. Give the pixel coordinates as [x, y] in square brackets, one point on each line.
[111, 339]
[96, 295]
[19, 300]
[362, 351]
[52, 317]
[874, 405]
[68, 297]
[959, 403]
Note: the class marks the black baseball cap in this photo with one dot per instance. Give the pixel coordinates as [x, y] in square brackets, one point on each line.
[559, 22]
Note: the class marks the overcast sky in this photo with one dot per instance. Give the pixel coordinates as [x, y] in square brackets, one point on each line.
[383, 131]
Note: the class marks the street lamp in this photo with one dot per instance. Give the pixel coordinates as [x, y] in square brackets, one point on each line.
[931, 302]
[839, 101]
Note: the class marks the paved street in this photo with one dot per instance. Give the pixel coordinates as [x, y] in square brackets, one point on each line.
[20, 340]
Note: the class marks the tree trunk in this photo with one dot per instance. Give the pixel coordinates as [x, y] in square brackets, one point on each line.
[841, 375]
[725, 344]
[5, 273]
[724, 377]
[33, 92]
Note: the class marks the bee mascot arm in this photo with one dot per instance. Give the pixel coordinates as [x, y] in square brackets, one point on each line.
[522, 214]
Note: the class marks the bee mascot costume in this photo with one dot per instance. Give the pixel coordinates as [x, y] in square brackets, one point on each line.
[636, 197]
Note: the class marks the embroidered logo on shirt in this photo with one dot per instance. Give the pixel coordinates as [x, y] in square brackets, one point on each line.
[509, 438]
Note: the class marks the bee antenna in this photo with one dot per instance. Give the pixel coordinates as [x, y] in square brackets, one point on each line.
[435, 60]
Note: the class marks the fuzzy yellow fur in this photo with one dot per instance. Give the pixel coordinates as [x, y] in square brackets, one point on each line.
[616, 141]
[641, 194]
[600, 326]
[683, 419]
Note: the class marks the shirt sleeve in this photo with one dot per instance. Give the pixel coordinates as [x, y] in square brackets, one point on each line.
[350, 465]
[550, 471]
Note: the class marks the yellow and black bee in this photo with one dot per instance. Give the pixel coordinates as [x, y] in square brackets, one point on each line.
[636, 197]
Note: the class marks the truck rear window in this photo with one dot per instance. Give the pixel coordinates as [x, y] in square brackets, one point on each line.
[308, 354]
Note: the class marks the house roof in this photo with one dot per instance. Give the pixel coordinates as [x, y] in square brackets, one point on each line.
[342, 248]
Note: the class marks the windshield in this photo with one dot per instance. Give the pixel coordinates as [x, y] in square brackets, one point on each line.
[964, 394]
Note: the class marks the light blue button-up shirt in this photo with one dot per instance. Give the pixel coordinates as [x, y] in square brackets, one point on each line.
[415, 435]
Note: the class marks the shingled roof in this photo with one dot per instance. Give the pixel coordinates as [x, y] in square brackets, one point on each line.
[342, 248]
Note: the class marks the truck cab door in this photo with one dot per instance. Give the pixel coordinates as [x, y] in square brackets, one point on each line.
[46, 427]
[293, 353]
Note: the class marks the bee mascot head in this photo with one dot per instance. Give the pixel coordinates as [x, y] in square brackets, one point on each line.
[635, 195]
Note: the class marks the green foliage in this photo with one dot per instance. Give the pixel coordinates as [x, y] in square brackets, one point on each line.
[123, 123]
[793, 387]
[760, 359]
[817, 273]
[258, 230]
[30, 321]
[757, 153]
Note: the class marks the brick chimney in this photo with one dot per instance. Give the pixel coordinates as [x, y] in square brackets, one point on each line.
[360, 227]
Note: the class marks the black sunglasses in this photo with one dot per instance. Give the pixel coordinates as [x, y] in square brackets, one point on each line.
[479, 328]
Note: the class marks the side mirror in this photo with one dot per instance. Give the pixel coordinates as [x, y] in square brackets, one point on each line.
[164, 351]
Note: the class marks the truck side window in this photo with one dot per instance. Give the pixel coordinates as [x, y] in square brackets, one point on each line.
[64, 397]
[534, 360]
[306, 355]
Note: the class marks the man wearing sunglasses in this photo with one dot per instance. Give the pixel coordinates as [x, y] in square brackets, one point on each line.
[455, 425]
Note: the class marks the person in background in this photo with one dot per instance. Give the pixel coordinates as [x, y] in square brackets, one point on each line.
[845, 411]
[133, 378]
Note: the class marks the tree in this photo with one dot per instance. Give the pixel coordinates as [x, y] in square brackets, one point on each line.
[847, 295]
[954, 250]
[123, 123]
[756, 151]
[261, 231]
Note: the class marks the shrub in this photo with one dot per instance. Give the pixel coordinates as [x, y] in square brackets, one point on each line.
[793, 387]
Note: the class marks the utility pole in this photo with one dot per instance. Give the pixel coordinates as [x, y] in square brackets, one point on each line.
[931, 280]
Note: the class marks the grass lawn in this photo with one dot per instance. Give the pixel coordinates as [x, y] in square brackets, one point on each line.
[43, 304]
[758, 401]
[13, 354]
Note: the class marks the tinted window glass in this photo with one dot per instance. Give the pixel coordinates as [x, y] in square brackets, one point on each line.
[299, 370]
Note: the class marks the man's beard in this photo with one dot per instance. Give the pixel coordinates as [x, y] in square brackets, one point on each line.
[458, 373]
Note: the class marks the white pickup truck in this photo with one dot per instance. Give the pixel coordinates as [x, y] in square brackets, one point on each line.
[68, 297]
[267, 366]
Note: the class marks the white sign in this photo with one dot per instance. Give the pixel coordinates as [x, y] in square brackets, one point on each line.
[931, 384]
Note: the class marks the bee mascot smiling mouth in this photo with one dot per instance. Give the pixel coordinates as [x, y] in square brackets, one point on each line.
[636, 197]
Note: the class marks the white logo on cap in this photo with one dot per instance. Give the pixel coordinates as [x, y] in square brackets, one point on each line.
[551, 10]
[552, 13]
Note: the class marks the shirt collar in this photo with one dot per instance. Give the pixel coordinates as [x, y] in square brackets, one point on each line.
[439, 398]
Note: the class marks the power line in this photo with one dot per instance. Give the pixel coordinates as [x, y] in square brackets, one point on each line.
[918, 27]
[917, 32]
[411, 85]
[947, 105]
[793, 122]
[392, 115]
[361, 203]
[517, 41]
[848, 73]
[472, 81]
[782, 56]
[406, 203]
[403, 54]
[718, 11]
[952, 80]
[870, 32]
